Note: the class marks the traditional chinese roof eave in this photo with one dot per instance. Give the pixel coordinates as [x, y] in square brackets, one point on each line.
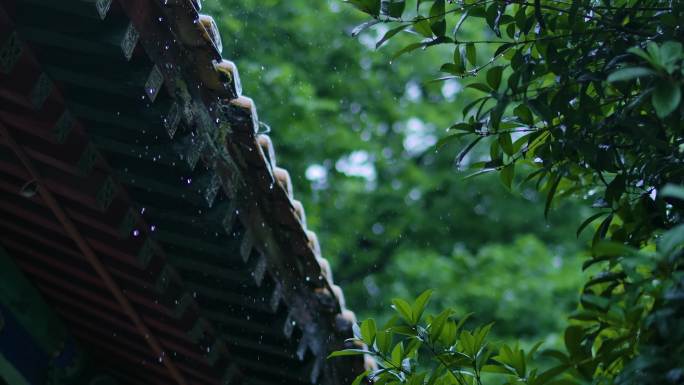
[187, 66]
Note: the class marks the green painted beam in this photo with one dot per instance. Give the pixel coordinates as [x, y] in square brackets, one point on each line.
[9, 374]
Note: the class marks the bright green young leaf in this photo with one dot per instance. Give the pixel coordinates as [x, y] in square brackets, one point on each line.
[368, 330]
[383, 341]
[419, 305]
[403, 309]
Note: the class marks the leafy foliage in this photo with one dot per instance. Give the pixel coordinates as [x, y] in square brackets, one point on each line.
[439, 349]
[524, 287]
[580, 98]
[601, 345]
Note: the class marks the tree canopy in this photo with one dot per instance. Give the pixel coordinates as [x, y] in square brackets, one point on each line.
[580, 99]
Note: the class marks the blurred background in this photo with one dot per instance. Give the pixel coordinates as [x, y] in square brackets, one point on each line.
[394, 215]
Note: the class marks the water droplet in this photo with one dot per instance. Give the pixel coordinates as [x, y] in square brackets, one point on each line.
[136, 232]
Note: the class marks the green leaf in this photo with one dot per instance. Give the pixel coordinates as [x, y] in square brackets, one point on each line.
[360, 377]
[462, 126]
[438, 26]
[437, 324]
[507, 173]
[465, 151]
[670, 53]
[459, 60]
[589, 300]
[505, 142]
[398, 354]
[549, 374]
[468, 343]
[419, 305]
[383, 341]
[497, 112]
[524, 114]
[406, 49]
[451, 68]
[642, 54]
[629, 73]
[371, 7]
[449, 139]
[349, 352]
[496, 368]
[573, 341]
[588, 221]
[479, 86]
[389, 34]
[602, 230]
[611, 249]
[494, 77]
[422, 26]
[480, 172]
[368, 331]
[392, 8]
[471, 53]
[666, 97]
[503, 48]
[551, 194]
[669, 241]
[404, 309]
[363, 26]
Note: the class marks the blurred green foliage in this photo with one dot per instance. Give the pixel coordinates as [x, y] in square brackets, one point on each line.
[394, 215]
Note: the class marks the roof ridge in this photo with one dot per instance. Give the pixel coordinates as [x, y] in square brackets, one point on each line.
[235, 119]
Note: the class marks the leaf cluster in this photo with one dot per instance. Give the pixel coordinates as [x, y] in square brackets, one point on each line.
[439, 350]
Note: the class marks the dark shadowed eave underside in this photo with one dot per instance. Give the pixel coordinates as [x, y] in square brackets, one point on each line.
[161, 230]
